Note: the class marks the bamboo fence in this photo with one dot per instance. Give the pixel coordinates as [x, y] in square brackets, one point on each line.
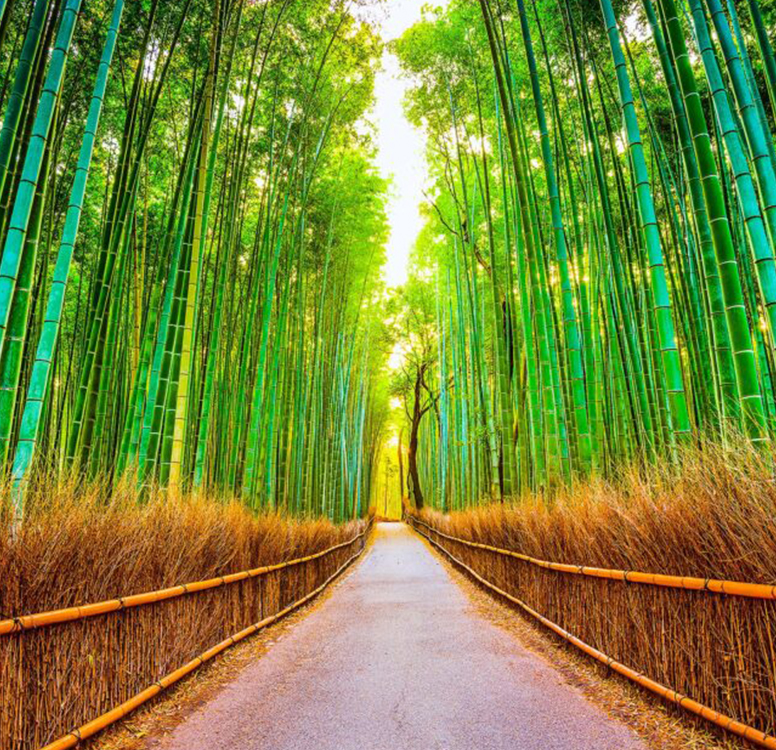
[711, 641]
[61, 669]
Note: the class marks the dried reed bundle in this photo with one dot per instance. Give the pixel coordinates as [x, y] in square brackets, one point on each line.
[80, 546]
[715, 517]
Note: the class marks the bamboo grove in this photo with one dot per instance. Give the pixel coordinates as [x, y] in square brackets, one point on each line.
[595, 284]
[192, 233]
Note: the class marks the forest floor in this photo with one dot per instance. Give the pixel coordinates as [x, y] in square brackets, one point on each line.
[406, 653]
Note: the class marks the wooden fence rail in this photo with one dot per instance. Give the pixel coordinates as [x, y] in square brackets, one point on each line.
[59, 669]
[675, 633]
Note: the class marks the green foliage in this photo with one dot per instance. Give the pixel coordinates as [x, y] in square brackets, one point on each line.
[207, 308]
[595, 282]
[598, 231]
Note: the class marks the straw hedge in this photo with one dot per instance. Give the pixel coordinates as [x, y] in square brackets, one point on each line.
[72, 552]
[714, 518]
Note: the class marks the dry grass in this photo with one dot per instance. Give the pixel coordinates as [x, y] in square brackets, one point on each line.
[658, 725]
[152, 723]
[78, 546]
[715, 517]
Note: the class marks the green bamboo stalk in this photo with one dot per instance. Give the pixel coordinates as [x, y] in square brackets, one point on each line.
[40, 379]
[22, 207]
[740, 335]
[672, 371]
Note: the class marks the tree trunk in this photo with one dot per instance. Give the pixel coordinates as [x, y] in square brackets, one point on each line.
[412, 449]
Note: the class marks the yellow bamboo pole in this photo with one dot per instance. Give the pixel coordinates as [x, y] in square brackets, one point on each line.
[69, 614]
[727, 723]
[71, 739]
[182, 402]
[689, 583]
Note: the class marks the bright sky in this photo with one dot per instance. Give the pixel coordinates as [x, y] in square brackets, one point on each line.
[400, 146]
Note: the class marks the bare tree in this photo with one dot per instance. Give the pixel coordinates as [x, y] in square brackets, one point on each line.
[412, 383]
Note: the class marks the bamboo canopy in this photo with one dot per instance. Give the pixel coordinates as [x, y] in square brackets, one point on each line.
[192, 230]
[192, 233]
[594, 286]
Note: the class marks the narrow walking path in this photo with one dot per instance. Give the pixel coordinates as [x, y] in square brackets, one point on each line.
[397, 660]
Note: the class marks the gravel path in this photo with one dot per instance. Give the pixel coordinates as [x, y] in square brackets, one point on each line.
[396, 659]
